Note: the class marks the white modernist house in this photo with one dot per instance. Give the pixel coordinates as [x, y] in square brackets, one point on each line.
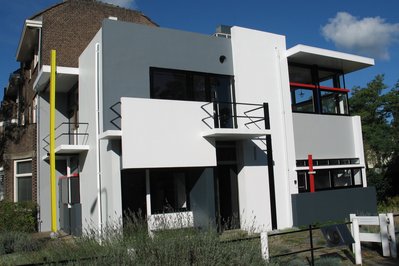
[203, 130]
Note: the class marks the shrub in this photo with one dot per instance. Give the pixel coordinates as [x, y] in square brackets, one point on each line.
[11, 242]
[18, 216]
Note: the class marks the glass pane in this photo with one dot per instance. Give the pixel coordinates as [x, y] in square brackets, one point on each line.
[168, 191]
[357, 176]
[302, 100]
[322, 179]
[300, 75]
[221, 89]
[334, 102]
[169, 85]
[24, 167]
[199, 88]
[24, 188]
[326, 78]
[342, 177]
[302, 182]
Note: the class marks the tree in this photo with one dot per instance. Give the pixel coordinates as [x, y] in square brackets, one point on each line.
[379, 111]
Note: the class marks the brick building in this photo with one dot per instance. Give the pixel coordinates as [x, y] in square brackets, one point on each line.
[66, 27]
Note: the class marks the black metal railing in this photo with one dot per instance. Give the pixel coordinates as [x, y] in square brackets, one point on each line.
[67, 132]
[225, 115]
[118, 117]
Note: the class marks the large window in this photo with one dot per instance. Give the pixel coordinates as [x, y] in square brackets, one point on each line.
[190, 86]
[317, 90]
[327, 179]
[23, 180]
[169, 191]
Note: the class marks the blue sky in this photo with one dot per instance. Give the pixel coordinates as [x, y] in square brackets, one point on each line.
[365, 27]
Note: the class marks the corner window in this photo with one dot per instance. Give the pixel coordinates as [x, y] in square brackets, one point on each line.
[333, 102]
[23, 180]
[302, 100]
[318, 90]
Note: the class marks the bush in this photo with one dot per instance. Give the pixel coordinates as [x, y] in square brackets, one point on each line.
[18, 216]
[11, 242]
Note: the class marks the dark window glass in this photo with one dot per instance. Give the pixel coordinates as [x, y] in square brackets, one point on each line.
[169, 85]
[300, 74]
[342, 177]
[302, 182]
[199, 87]
[24, 167]
[24, 188]
[301, 163]
[302, 100]
[334, 102]
[322, 179]
[168, 191]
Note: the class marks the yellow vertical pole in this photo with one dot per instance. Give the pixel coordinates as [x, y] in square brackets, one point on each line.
[52, 143]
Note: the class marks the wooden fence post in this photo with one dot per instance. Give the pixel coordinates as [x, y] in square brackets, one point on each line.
[356, 236]
[391, 234]
[264, 245]
[384, 234]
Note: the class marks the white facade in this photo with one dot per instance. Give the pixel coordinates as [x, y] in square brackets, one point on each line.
[177, 127]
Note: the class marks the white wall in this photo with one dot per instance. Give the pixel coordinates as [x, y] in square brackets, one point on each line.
[87, 114]
[164, 133]
[261, 75]
[43, 186]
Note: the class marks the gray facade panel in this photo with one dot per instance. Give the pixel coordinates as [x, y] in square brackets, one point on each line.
[129, 50]
[332, 205]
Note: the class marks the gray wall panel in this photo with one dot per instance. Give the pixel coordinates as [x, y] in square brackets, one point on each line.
[333, 205]
[129, 50]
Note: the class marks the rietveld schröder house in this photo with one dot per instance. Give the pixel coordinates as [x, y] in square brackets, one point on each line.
[232, 131]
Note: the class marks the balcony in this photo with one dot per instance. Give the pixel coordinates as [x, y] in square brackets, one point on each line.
[235, 121]
[167, 133]
[70, 138]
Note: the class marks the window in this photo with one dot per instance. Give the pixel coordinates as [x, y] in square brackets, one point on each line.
[168, 191]
[183, 85]
[333, 102]
[318, 90]
[23, 180]
[328, 179]
[302, 100]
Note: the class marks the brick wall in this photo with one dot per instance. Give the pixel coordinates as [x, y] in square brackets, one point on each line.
[69, 27]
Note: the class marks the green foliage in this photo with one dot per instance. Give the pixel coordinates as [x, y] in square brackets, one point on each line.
[133, 246]
[18, 216]
[379, 111]
[11, 242]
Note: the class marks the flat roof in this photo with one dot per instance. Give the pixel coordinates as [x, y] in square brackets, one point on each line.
[308, 55]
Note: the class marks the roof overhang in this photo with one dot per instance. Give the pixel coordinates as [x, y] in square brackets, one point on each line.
[28, 40]
[308, 55]
[66, 78]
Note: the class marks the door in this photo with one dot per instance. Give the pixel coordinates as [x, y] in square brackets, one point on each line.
[228, 215]
[222, 95]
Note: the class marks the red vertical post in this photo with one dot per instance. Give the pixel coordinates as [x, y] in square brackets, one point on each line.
[311, 173]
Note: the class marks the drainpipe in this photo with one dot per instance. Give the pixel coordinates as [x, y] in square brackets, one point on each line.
[98, 165]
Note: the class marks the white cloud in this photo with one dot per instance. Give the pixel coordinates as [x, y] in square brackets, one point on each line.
[369, 36]
[122, 3]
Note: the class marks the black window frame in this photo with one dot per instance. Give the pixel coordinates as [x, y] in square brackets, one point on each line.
[331, 180]
[190, 83]
[317, 88]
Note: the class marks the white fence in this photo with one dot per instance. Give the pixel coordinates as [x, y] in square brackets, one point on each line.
[386, 236]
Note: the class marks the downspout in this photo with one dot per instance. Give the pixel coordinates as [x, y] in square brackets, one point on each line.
[98, 165]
